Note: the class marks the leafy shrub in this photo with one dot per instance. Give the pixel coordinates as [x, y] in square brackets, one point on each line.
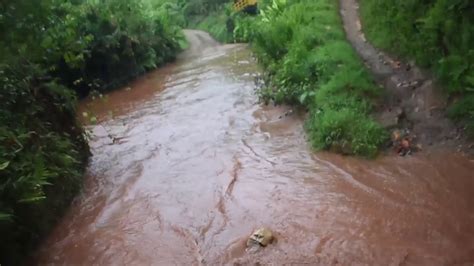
[243, 30]
[125, 41]
[42, 154]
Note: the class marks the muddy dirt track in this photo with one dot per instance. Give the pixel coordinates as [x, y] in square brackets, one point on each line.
[186, 164]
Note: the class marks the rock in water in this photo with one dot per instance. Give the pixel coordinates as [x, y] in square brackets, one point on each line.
[261, 237]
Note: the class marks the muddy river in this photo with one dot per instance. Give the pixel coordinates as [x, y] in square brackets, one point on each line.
[186, 164]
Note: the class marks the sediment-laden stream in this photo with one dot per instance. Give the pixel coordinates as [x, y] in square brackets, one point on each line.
[186, 164]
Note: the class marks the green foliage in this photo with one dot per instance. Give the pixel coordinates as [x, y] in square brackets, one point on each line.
[220, 20]
[51, 51]
[42, 154]
[438, 34]
[243, 30]
[310, 63]
[126, 40]
[463, 111]
[96, 45]
[344, 131]
[201, 8]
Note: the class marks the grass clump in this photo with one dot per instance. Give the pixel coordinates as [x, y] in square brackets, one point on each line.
[335, 130]
[437, 34]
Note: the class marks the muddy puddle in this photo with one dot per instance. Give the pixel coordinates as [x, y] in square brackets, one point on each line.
[186, 165]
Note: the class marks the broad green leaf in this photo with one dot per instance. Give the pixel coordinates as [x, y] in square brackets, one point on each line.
[93, 120]
[303, 97]
[32, 199]
[5, 216]
[4, 165]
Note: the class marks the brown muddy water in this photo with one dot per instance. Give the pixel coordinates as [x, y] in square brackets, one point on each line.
[186, 164]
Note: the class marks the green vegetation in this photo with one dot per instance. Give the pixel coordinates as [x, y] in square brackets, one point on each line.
[52, 51]
[438, 34]
[219, 24]
[218, 18]
[304, 49]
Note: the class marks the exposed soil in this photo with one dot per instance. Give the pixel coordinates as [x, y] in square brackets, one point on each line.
[413, 104]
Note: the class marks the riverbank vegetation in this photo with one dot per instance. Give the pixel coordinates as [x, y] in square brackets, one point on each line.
[303, 47]
[438, 35]
[51, 53]
[218, 23]
[218, 18]
[309, 63]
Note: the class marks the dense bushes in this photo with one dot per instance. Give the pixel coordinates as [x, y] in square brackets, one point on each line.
[50, 52]
[42, 153]
[123, 40]
[438, 34]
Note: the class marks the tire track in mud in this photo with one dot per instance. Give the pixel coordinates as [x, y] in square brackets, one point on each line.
[223, 197]
[256, 154]
[234, 175]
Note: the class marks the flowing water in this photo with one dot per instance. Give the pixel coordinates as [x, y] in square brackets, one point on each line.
[186, 164]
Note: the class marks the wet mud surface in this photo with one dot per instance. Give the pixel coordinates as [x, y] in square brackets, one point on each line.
[197, 165]
[413, 102]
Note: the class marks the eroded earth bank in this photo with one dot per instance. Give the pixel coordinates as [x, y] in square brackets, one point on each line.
[186, 164]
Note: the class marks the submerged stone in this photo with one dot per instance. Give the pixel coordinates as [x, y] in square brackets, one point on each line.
[261, 237]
